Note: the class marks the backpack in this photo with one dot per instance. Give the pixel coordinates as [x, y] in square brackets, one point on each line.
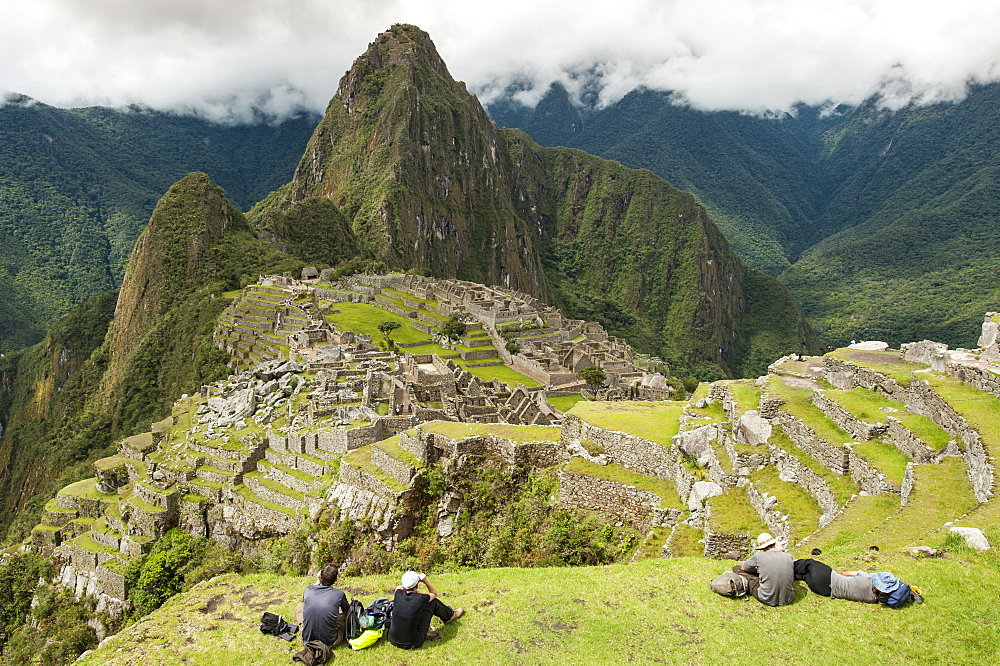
[897, 597]
[355, 620]
[275, 625]
[378, 615]
[730, 585]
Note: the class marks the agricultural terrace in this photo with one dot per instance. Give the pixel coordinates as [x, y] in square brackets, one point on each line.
[516, 433]
[886, 363]
[656, 421]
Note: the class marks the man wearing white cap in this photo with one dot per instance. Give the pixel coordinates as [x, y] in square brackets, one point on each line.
[770, 572]
[412, 611]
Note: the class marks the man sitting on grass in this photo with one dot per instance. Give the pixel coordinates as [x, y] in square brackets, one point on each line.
[412, 611]
[769, 572]
[323, 609]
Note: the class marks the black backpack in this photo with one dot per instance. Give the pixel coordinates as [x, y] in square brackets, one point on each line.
[275, 625]
[355, 619]
[378, 615]
[731, 585]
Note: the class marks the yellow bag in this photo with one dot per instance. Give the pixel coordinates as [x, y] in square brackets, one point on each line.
[366, 639]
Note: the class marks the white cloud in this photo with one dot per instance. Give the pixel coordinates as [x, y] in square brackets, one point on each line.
[222, 56]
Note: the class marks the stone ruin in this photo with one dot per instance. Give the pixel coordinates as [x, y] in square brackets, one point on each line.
[345, 424]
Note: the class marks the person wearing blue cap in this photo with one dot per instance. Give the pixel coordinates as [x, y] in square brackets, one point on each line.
[881, 587]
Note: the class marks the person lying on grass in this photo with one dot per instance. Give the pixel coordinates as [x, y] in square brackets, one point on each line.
[881, 587]
[412, 612]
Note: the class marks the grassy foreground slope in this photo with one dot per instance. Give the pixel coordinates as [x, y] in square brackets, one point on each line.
[657, 611]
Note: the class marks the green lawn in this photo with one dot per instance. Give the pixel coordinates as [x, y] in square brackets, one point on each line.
[746, 395]
[732, 514]
[655, 421]
[544, 616]
[793, 499]
[865, 405]
[564, 402]
[885, 458]
[685, 541]
[364, 318]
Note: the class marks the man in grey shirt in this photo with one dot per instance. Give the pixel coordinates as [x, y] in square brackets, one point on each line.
[770, 572]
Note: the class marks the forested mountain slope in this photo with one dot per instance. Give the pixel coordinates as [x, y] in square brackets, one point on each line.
[96, 377]
[78, 185]
[881, 223]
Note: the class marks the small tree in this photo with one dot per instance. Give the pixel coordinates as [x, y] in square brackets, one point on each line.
[454, 328]
[387, 327]
[594, 376]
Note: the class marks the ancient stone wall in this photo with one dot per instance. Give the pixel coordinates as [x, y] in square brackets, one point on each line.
[858, 429]
[844, 375]
[907, 486]
[908, 443]
[791, 469]
[768, 508]
[634, 453]
[831, 456]
[397, 469]
[924, 400]
[359, 478]
[637, 507]
[869, 479]
[727, 546]
[980, 378]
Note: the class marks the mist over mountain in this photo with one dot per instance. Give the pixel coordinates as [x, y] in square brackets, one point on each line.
[879, 221]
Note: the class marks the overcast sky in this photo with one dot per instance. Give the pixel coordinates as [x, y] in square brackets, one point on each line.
[222, 56]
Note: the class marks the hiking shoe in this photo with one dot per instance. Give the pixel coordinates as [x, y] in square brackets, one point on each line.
[916, 597]
[457, 614]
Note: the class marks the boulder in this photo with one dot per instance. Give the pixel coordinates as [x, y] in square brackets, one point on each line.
[869, 345]
[753, 429]
[923, 352]
[973, 537]
[697, 443]
[991, 330]
[700, 492]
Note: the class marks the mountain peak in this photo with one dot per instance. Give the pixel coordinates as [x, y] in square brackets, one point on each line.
[405, 48]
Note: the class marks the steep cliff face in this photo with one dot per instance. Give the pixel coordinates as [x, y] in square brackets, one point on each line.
[417, 168]
[168, 261]
[44, 428]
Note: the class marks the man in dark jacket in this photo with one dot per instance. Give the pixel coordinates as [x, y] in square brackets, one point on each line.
[412, 612]
[323, 609]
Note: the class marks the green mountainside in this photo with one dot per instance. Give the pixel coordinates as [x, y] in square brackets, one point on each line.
[94, 379]
[421, 179]
[78, 185]
[405, 170]
[879, 222]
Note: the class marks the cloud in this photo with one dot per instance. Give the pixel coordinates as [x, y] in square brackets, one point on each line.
[222, 58]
